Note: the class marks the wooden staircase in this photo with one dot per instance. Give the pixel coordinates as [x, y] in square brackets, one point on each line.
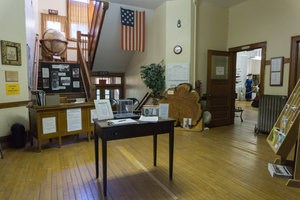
[86, 49]
[86, 60]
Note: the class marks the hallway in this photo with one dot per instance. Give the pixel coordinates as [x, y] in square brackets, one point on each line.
[250, 115]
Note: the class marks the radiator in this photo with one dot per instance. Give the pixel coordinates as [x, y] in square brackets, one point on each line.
[269, 109]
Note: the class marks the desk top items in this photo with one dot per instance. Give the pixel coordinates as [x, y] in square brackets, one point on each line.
[103, 109]
[150, 110]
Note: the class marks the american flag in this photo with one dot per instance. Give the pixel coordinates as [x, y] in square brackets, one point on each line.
[133, 30]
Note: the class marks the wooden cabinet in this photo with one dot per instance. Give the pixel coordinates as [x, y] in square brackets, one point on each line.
[56, 121]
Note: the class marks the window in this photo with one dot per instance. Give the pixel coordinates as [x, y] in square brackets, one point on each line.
[109, 87]
[78, 17]
[56, 22]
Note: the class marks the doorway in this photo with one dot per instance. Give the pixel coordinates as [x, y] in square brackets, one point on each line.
[248, 64]
[221, 80]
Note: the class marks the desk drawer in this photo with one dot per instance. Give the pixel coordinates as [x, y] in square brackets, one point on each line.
[130, 131]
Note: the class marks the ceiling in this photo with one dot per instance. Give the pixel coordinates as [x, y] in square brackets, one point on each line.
[227, 3]
[151, 4]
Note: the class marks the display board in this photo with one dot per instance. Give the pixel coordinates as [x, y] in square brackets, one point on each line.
[59, 77]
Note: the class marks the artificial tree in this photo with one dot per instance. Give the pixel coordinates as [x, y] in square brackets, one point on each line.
[153, 76]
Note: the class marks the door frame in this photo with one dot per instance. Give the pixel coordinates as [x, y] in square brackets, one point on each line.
[249, 47]
[294, 70]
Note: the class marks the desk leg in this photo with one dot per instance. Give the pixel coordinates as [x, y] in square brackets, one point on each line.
[96, 144]
[59, 141]
[154, 148]
[241, 116]
[171, 151]
[39, 144]
[104, 165]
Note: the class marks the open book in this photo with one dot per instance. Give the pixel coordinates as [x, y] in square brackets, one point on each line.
[121, 121]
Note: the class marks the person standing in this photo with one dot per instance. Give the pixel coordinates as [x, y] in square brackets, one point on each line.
[248, 85]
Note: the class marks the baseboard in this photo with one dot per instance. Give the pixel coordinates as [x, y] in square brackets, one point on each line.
[4, 141]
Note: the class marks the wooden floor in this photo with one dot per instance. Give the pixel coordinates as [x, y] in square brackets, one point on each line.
[221, 163]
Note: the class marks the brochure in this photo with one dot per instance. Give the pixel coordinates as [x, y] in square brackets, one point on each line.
[279, 171]
[121, 121]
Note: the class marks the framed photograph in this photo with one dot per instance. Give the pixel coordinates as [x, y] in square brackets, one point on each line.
[10, 53]
[276, 71]
[11, 76]
[103, 109]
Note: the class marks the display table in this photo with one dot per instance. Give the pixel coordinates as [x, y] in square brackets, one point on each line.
[56, 121]
[140, 129]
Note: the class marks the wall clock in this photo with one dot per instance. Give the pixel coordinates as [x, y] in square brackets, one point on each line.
[177, 49]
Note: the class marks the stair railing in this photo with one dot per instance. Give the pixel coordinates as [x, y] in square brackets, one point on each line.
[95, 30]
[89, 88]
[87, 46]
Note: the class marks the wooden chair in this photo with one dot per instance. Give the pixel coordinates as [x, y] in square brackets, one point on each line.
[239, 110]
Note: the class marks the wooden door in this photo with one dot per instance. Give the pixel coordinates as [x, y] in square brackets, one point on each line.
[220, 88]
[295, 63]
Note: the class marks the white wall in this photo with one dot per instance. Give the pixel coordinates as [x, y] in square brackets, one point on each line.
[61, 6]
[155, 50]
[31, 12]
[178, 10]
[212, 22]
[44, 5]
[273, 21]
[12, 23]
[162, 35]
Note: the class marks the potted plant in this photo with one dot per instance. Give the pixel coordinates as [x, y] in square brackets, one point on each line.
[153, 76]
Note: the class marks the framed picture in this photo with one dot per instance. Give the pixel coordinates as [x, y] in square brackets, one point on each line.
[276, 71]
[10, 53]
[103, 109]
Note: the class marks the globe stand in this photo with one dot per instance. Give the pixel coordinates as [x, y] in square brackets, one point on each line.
[54, 46]
[48, 54]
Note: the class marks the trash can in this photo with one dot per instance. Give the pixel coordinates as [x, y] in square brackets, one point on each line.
[18, 137]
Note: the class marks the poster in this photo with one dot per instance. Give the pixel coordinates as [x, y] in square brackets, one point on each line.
[49, 125]
[12, 89]
[177, 73]
[74, 122]
[220, 70]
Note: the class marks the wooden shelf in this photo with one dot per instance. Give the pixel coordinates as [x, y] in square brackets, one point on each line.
[285, 134]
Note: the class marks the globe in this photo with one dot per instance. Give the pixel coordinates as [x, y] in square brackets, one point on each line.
[53, 43]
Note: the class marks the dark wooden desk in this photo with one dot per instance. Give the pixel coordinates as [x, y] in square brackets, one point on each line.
[106, 133]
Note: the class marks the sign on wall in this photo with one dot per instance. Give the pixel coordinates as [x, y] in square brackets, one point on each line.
[177, 73]
[12, 89]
